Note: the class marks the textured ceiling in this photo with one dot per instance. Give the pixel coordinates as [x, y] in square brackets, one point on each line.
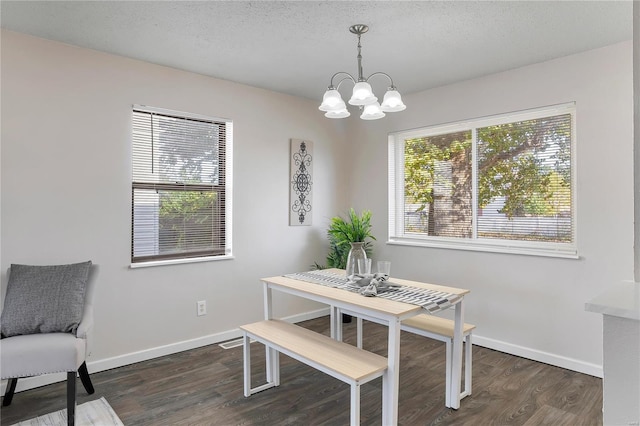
[295, 47]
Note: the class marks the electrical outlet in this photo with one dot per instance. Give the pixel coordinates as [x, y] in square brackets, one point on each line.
[202, 307]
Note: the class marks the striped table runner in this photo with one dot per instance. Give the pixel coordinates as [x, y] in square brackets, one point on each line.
[432, 301]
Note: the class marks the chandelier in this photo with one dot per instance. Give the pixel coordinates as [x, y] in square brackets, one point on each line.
[362, 96]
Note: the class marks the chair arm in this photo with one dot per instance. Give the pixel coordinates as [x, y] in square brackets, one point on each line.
[86, 323]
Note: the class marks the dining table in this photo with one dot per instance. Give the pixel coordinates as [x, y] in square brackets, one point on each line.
[328, 287]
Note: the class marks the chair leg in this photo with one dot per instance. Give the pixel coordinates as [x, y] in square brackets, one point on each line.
[8, 393]
[71, 398]
[85, 379]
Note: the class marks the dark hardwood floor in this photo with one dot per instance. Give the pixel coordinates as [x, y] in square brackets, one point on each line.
[204, 387]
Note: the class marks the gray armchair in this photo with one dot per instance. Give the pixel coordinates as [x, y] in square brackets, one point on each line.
[26, 355]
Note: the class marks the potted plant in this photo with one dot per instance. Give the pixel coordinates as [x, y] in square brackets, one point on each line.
[342, 233]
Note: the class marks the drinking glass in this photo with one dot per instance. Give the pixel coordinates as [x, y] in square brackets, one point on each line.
[384, 267]
[364, 266]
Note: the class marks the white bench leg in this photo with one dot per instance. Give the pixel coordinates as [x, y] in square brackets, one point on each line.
[448, 362]
[275, 367]
[272, 367]
[467, 366]
[355, 404]
[246, 352]
[468, 369]
[268, 355]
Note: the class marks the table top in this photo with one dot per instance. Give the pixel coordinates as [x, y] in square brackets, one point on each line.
[384, 306]
[620, 300]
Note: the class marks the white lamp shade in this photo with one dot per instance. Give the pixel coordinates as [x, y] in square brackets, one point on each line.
[332, 101]
[362, 94]
[372, 112]
[342, 113]
[392, 102]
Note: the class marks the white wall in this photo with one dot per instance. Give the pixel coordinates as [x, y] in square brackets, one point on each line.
[65, 176]
[66, 190]
[636, 136]
[532, 306]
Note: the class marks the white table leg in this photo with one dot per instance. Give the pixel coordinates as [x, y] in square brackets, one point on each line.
[332, 321]
[359, 332]
[246, 349]
[335, 327]
[391, 386]
[269, 353]
[456, 365]
[268, 311]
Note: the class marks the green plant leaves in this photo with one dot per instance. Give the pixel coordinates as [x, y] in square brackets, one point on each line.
[342, 232]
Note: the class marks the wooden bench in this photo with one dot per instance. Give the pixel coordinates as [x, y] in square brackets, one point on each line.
[440, 329]
[345, 362]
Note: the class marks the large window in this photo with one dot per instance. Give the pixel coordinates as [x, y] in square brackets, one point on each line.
[501, 183]
[179, 186]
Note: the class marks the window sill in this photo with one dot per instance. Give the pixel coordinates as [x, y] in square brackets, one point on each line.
[180, 261]
[565, 253]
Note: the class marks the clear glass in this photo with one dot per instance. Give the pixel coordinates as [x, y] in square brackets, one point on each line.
[384, 267]
[364, 266]
[357, 252]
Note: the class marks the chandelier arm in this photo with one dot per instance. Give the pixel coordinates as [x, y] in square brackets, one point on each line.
[393, 87]
[348, 77]
[345, 79]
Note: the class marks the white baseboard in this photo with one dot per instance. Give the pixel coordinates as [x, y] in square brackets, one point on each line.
[540, 356]
[147, 354]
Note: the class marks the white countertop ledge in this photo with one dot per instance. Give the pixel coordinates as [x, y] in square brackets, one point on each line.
[621, 300]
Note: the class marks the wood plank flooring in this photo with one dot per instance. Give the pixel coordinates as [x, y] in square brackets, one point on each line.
[204, 387]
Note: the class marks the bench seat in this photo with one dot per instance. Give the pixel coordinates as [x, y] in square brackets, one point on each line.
[442, 329]
[345, 362]
[438, 328]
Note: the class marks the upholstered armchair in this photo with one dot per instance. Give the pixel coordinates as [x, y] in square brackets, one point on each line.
[47, 315]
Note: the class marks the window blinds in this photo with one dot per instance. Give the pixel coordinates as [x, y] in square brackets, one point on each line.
[178, 186]
[503, 181]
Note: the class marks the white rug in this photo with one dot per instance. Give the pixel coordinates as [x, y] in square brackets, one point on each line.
[95, 413]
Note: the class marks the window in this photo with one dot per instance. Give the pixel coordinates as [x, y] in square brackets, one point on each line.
[502, 183]
[180, 180]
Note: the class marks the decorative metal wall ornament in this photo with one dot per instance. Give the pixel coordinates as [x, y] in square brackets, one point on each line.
[301, 182]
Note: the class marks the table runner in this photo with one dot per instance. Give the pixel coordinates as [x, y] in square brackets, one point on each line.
[430, 300]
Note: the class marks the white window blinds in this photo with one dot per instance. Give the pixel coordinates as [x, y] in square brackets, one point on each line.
[502, 183]
[178, 186]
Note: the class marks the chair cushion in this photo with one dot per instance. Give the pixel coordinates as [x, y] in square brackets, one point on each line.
[34, 354]
[44, 299]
